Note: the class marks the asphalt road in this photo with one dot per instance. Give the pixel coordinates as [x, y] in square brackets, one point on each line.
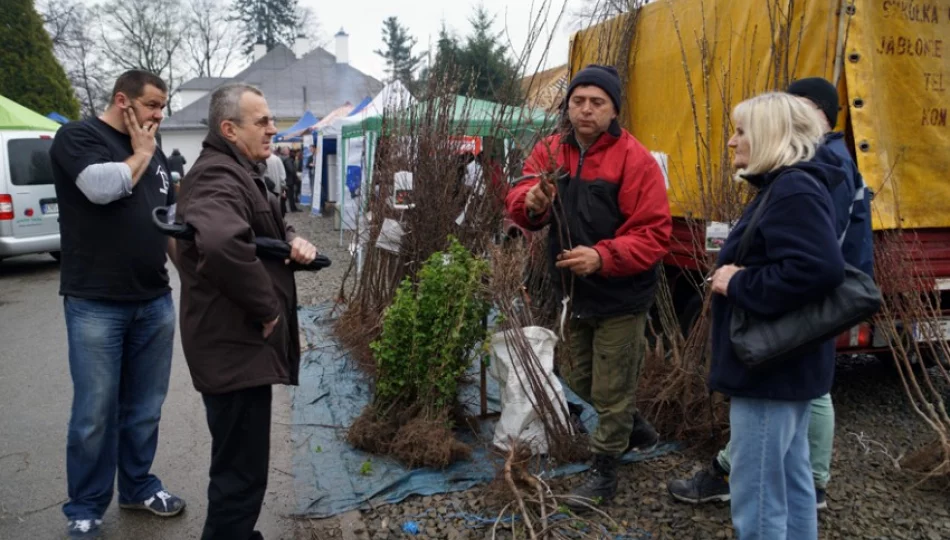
[35, 397]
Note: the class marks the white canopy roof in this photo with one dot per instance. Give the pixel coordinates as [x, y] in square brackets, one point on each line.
[393, 97]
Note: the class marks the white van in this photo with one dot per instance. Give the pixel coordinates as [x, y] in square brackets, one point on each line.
[29, 214]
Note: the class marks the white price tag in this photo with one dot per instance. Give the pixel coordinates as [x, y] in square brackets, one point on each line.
[716, 234]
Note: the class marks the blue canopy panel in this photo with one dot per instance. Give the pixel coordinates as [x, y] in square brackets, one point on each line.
[362, 105]
[292, 134]
[56, 117]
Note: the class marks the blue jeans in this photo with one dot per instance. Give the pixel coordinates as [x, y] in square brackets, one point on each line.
[120, 360]
[773, 493]
[821, 439]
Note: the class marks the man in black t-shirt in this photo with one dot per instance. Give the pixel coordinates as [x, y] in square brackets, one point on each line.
[120, 318]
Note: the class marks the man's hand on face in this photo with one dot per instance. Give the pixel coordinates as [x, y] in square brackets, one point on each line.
[583, 261]
[143, 136]
[301, 251]
[540, 197]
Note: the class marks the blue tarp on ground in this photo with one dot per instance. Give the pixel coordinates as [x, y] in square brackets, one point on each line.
[327, 471]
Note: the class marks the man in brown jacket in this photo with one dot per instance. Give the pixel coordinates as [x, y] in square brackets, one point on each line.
[238, 312]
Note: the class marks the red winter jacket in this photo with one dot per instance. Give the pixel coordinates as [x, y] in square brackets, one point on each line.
[614, 199]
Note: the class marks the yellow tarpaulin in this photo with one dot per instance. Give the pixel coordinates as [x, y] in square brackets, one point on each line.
[898, 72]
[691, 61]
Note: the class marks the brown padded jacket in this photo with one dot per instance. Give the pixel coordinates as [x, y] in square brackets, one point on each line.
[227, 292]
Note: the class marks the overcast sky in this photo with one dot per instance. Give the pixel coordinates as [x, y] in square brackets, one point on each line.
[363, 21]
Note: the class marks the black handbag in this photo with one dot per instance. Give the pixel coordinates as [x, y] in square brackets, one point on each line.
[761, 343]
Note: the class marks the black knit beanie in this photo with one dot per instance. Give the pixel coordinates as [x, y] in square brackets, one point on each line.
[603, 77]
[821, 93]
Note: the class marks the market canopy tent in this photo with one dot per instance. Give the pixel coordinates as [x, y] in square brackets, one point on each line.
[393, 97]
[470, 116]
[362, 105]
[307, 121]
[16, 116]
[56, 117]
[340, 112]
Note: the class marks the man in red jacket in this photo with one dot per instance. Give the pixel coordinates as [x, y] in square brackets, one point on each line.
[604, 196]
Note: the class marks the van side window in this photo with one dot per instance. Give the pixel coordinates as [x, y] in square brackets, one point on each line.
[30, 163]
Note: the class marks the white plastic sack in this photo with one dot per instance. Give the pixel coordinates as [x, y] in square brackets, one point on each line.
[390, 236]
[519, 420]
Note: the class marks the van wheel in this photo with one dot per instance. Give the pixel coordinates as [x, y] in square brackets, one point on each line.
[55, 254]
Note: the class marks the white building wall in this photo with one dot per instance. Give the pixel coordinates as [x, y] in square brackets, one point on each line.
[188, 142]
[187, 97]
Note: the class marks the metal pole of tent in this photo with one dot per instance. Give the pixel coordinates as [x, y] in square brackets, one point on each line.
[366, 191]
[316, 190]
[341, 167]
[359, 206]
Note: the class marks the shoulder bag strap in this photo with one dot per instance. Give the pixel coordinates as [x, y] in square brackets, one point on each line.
[746, 241]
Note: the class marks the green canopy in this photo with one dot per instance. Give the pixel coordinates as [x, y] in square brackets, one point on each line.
[471, 116]
[16, 116]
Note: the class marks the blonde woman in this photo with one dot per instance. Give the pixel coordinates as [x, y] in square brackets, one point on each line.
[793, 258]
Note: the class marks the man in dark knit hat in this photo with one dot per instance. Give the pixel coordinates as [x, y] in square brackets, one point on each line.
[852, 202]
[605, 199]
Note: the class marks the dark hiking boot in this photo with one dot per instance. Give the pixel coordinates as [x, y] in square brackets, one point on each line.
[820, 498]
[708, 485]
[599, 487]
[643, 438]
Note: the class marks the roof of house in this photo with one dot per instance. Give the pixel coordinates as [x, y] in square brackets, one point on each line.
[283, 79]
[204, 83]
[545, 89]
[327, 83]
[276, 60]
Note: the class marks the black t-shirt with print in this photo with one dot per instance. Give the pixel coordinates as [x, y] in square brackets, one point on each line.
[109, 251]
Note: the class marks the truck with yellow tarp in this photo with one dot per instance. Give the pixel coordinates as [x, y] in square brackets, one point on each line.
[686, 63]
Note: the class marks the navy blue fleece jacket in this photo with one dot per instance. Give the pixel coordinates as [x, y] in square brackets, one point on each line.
[794, 258]
[852, 203]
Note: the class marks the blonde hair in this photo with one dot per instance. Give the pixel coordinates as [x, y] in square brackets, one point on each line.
[782, 130]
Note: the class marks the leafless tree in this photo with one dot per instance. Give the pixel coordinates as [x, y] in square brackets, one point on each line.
[144, 34]
[212, 39]
[59, 18]
[70, 25]
[591, 12]
[309, 26]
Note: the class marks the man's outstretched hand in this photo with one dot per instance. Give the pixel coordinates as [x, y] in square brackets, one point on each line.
[301, 251]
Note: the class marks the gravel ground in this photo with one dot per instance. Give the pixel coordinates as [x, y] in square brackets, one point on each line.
[869, 497]
[323, 286]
